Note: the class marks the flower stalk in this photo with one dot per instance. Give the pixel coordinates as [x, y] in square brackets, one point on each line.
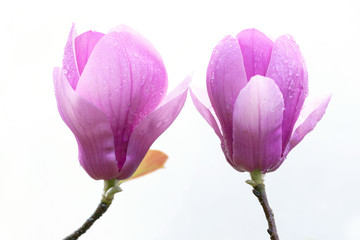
[111, 187]
[257, 182]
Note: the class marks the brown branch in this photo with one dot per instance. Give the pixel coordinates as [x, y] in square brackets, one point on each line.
[100, 210]
[260, 193]
[111, 187]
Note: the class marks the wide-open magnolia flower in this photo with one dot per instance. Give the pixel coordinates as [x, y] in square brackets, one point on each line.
[111, 92]
[257, 89]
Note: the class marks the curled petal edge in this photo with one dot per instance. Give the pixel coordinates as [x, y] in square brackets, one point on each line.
[151, 127]
[312, 112]
[203, 106]
[69, 62]
[84, 45]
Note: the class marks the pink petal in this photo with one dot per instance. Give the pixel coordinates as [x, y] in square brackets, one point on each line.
[126, 80]
[203, 106]
[258, 116]
[226, 76]
[90, 127]
[287, 68]
[256, 49]
[311, 114]
[146, 43]
[84, 45]
[69, 62]
[151, 127]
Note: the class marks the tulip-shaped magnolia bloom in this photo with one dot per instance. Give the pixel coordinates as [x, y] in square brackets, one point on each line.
[111, 92]
[257, 89]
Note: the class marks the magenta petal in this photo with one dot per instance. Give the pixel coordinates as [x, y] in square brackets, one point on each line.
[203, 106]
[151, 127]
[288, 70]
[126, 80]
[311, 114]
[84, 45]
[256, 49]
[122, 70]
[91, 129]
[226, 76]
[69, 62]
[258, 115]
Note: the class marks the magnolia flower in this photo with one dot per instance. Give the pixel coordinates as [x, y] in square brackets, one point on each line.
[257, 89]
[111, 92]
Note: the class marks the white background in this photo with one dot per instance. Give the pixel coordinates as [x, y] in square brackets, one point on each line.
[45, 194]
